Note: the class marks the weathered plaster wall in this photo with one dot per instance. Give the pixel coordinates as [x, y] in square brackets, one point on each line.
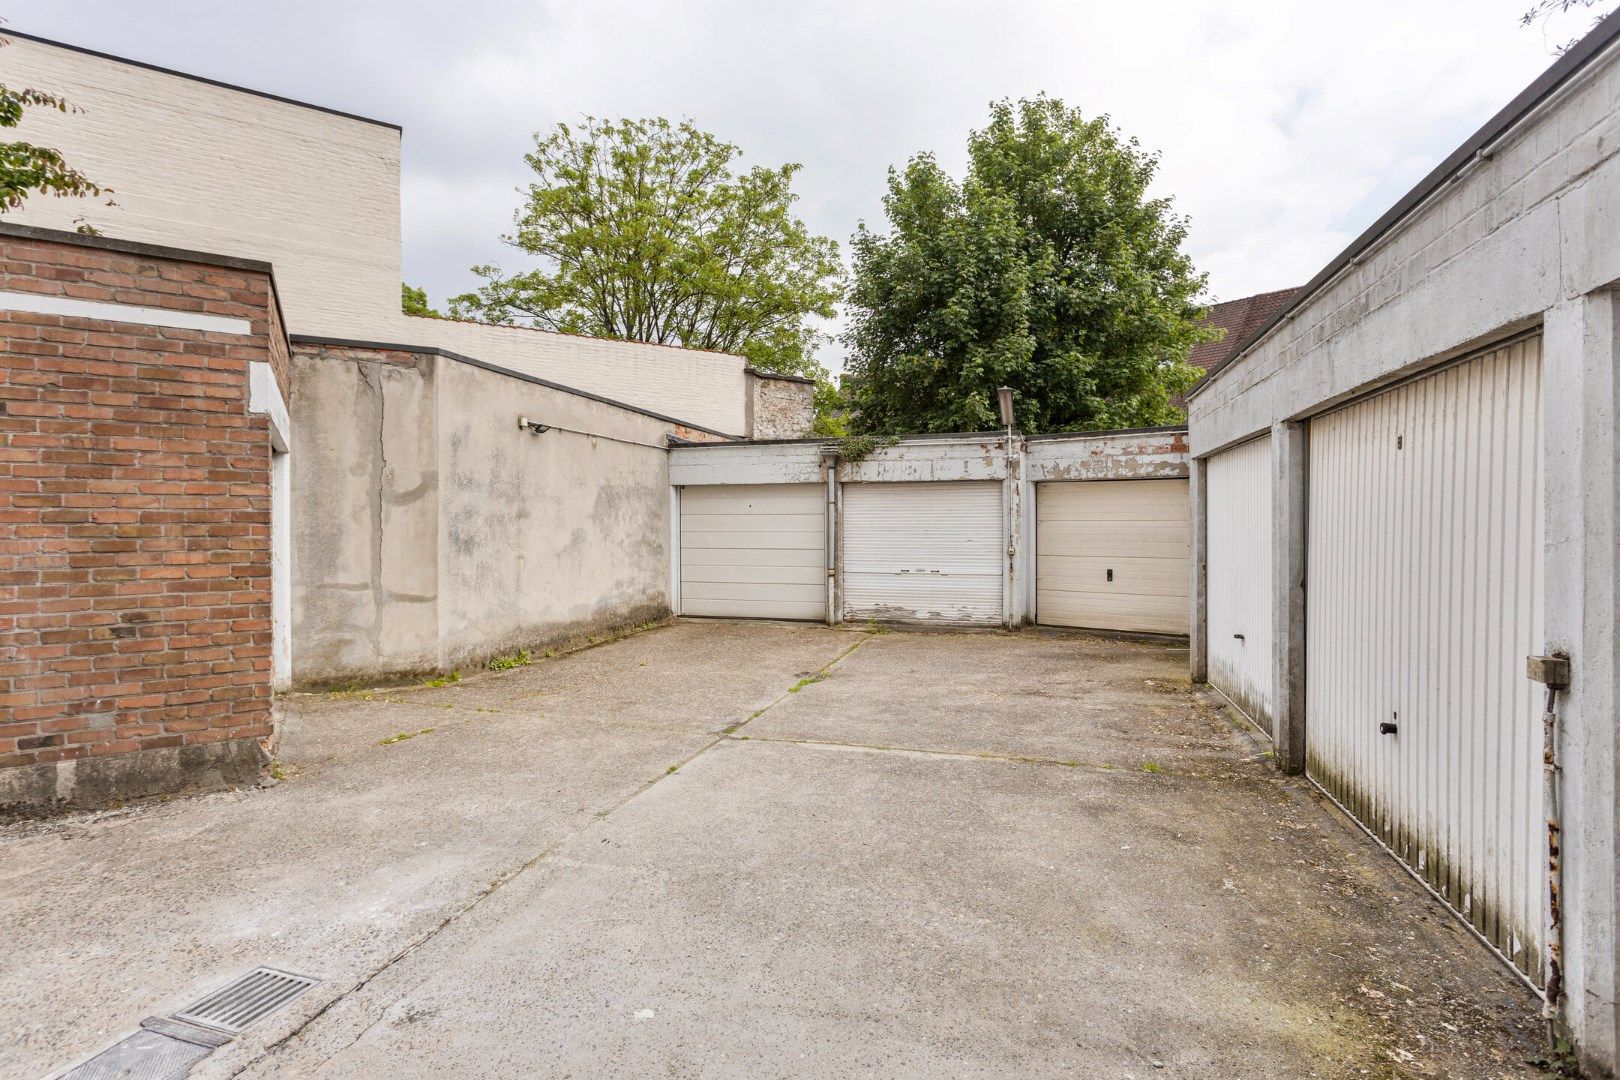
[779, 406]
[1132, 455]
[365, 523]
[432, 532]
[544, 535]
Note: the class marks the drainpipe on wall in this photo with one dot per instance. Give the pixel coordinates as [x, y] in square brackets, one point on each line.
[829, 462]
[1011, 503]
[1553, 672]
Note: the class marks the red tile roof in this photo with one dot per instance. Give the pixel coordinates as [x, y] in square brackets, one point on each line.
[1239, 319]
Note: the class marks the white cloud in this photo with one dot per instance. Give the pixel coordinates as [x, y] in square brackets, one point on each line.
[1284, 128]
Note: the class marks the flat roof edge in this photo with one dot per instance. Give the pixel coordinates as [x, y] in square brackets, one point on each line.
[133, 247]
[5, 33]
[1571, 64]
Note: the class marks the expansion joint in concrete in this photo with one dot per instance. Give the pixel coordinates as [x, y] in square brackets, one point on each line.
[498, 883]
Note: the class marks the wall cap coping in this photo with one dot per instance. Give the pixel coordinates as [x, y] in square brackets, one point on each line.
[434, 350]
[198, 78]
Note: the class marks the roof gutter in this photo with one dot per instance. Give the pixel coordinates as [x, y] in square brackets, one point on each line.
[1540, 95]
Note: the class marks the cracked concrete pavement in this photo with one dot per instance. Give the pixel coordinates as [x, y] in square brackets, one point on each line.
[975, 854]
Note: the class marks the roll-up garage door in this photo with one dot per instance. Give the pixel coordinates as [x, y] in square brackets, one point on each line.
[1423, 598]
[930, 551]
[756, 551]
[1112, 555]
[1238, 502]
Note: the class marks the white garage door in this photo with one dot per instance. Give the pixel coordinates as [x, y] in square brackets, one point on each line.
[1423, 597]
[1238, 502]
[923, 551]
[1112, 555]
[756, 551]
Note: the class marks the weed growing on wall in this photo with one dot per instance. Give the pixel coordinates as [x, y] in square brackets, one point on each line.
[521, 658]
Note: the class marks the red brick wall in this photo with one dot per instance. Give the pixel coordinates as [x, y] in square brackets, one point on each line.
[134, 509]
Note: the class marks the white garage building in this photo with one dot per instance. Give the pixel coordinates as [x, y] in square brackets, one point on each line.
[984, 529]
[1403, 487]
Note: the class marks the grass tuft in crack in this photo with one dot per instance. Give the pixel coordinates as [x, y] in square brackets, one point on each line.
[403, 735]
[443, 680]
[521, 658]
[808, 680]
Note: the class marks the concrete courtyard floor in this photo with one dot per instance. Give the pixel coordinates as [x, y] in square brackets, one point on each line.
[753, 850]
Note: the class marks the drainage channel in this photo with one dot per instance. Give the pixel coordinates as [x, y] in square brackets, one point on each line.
[166, 1047]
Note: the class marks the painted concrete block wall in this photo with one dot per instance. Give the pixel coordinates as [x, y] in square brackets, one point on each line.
[1526, 236]
[432, 532]
[703, 388]
[222, 170]
[214, 169]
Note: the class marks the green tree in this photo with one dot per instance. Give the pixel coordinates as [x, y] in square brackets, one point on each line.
[1048, 269]
[1544, 10]
[414, 301]
[645, 232]
[27, 169]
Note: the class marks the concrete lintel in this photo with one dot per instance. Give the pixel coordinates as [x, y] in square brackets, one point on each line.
[264, 399]
[72, 307]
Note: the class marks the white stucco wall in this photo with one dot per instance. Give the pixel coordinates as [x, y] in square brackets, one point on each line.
[219, 169]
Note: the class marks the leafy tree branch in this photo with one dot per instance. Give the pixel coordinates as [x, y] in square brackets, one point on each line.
[1048, 268]
[28, 169]
[644, 231]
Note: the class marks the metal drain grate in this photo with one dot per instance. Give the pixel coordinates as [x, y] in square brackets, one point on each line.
[255, 995]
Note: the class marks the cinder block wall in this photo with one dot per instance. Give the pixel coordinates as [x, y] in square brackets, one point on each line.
[135, 609]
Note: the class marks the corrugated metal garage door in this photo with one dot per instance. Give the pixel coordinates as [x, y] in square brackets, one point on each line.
[1423, 597]
[923, 551]
[1239, 577]
[755, 551]
[1112, 555]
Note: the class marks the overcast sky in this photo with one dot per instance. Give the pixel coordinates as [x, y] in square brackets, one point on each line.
[1284, 128]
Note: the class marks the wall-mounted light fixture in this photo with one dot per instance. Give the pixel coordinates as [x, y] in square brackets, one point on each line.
[1004, 397]
[535, 426]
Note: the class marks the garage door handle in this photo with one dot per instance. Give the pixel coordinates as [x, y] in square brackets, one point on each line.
[1240, 637]
[1386, 728]
[1110, 575]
